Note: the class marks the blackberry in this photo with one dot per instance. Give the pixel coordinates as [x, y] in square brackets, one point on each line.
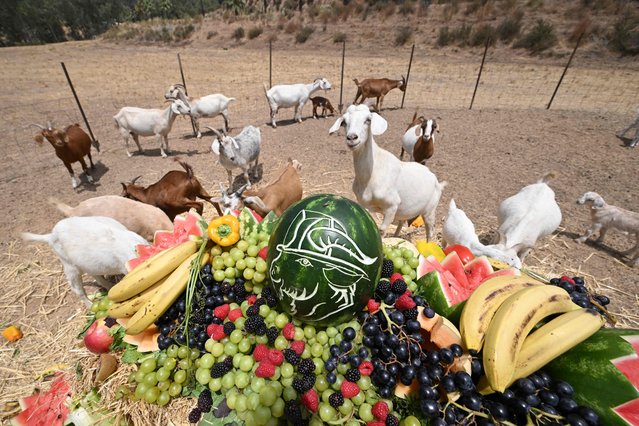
[272, 334]
[392, 420]
[254, 324]
[336, 399]
[291, 356]
[352, 375]
[228, 328]
[387, 268]
[253, 310]
[228, 362]
[240, 291]
[271, 301]
[383, 288]
[399, 287]
[219, 369]
[259, 302]
[307, 366]
[303, 384]
[199, 317]
[411, 314]
[205, 401]
[292, 411]
[266, 292]
[109, 322]
[195, 415]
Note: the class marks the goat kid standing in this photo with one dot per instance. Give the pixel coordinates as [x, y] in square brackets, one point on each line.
[207, 106]
[292, 95]
[239, 151]
[399, 190]
[419, 139]
[71, 145]
[377, 88]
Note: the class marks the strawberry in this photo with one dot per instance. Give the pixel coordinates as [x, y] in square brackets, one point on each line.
[215, 331]
[404, 302]
[395, 276]
[373, 305]
[222, 311]
[349, 389]
[235, 314]
[265, 369]
[289, 331]
[260, 352]
[275, 356]
[298, 346]
[365, 368]
[310, 400]
[262, 253]
[251, 299]
[380, 410]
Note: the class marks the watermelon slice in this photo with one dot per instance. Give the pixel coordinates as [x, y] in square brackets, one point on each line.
[477, 270]
[454, 265]
[511, 272]
[428, 264]
[443, 293]
[45, 408]
[629, 367]
[629, 412]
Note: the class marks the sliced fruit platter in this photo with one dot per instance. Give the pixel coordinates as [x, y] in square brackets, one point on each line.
[312, 318]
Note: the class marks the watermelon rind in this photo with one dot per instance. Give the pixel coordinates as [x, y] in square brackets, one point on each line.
[431, 288]
[597, 382]
[324, 259]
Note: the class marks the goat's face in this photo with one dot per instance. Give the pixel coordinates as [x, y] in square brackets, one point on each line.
[56, 137]
[595, 200]
[180, 107]
[230, 201]
[173, 91]
[359, 122]
[402, 84]
[428, 128]
[324, 84]
[227, 147]
[125, 190]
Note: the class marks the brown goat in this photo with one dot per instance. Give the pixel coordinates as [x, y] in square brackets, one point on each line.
[425, 145]
[174, 193]
[71, 145]
[377, 88]
[278, 195]
[321, 102]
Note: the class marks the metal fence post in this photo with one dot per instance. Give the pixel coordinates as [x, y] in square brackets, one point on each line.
[410, 62]
[94, 142]
[481, 67]
[185, 91]
[565, 69]
[341, 82]
[270, 63]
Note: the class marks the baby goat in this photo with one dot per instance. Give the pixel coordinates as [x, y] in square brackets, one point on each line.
[605, 217]
[99, 246]
[292, 95]
[325, 104]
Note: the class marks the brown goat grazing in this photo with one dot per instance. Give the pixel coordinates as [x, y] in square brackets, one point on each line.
[321, 102]
[174, 193]
[71, 145]
[425, 145]
[278, 195]
[377, 88]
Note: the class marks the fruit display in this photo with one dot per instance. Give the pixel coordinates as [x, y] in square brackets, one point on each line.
[312, 319]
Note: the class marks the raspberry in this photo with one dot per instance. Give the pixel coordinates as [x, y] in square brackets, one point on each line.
[298, 346]
[260, 352]
[349, 389]
[262, 253]
[222, 311]
[365, 368]
[352, 375]
[310, 400]
[336, 399]
[235, 314]
[276, 357]
[194, 415]
[399, 286]
[373, 306]
[215, 331]
[383, 288]
[291, 356]
[375, 423]
[567, 279]
[380, 410]
[289, 331]
[205, 401]
[396, 276]
[387, 268]
[251, 299]
[405, 302]
[392, 420]
[307, 366]
[265, 369]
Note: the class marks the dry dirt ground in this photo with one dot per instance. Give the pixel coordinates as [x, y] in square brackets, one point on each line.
[485, 154]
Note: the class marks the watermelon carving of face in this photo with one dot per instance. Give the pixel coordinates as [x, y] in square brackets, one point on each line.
[324, 259]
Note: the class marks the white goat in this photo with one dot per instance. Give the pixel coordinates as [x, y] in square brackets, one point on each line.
[99, 246]
[525, 217]
[292, 95]
[141, 218]
[399, 190]
[605, 217]
[135, 122]
[207, 106]
[238, 151]
[459, 229]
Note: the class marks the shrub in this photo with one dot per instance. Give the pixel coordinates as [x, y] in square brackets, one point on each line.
[238, 34]
[540, 37]
[254, 32]
[482, 34]
[291, 27]
[406, 8]
[403, 35]
[450, 10]
[182, 32]
[624, 36]
[461, 35]
[339, 37]
[444, 38]
[211, 34]
[303, 34]
[508, 29]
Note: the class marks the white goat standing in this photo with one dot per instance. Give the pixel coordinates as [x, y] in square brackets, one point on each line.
[399, 190]
[207, 106]
[96, 245]
[238, 151]
[292, 95]
[459, 229]
[525, 217]
[135, 122]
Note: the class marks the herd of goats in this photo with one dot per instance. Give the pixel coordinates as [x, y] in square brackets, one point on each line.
[402, 191]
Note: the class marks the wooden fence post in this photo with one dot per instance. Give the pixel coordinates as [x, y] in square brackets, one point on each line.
[481, 67]
[341, 82]
[565, 69]
[94, 142]
[410, 62]
[185, 91]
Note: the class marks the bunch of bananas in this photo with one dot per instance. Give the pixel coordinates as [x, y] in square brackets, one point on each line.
[499, 315]
[153, 286]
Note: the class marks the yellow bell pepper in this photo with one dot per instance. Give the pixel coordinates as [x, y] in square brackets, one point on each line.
[428, 248]
[224, 230]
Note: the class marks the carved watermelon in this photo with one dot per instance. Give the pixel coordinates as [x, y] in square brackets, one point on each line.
[604, 371]
[45, 408]
[185, 226]
[324, 259]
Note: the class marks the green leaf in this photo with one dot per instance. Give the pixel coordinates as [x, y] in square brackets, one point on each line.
[117, 332]
[210, 418]
[131, 354]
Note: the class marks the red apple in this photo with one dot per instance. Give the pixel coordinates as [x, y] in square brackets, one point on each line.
[97, 338]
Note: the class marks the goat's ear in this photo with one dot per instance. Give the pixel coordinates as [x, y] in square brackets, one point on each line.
[235, 144]
[124, 191]
[436, 126]
[335, 127]
[215, 147]
[378, 124]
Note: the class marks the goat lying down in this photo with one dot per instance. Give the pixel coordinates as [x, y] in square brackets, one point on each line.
[605, 217]
[97, 245]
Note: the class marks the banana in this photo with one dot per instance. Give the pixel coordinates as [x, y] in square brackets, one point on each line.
[167, 293]
[484, 302]
[131, 306]
[151, 271]
[511, 324]
[554, 338]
